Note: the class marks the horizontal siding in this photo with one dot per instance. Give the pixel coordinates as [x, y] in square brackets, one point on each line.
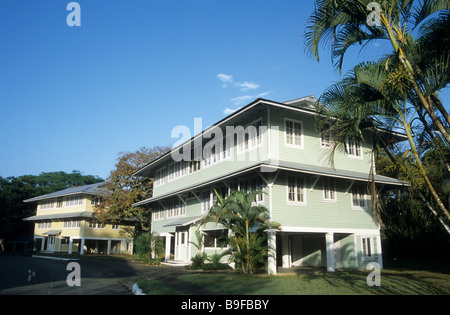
[316, 212]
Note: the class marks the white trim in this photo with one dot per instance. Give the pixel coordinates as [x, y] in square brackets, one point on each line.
[302, 137]
[359, 232]
[296, 202]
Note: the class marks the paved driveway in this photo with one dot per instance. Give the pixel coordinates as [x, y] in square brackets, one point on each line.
[30, 275]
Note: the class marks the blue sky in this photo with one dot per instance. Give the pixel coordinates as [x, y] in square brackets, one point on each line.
[72, 98]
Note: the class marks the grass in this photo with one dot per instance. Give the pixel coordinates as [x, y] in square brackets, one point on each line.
[151, 287]
[393, 282]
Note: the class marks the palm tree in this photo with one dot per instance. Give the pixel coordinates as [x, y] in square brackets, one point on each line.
[343, 24]
[366, 99]
[248, 223]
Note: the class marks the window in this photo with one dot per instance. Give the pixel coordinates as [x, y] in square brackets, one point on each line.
[358, 197]
[329, 189]
[72, 224]
[354, 148]
[160, 178]
[44, 225]
[115, 227]
[175, 208]
[48, 204]
[215, 239]
[249, 137]
[194, 166]
[65, 240]
[325, 136]
[294, 132]
[206, 201]
[59, 202]
[96, 225]
[367, 247]
[296, 189]
[74, 201]
[95, 201]
[253, 184]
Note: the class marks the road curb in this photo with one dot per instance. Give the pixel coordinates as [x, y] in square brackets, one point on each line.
[137, 290]
[54, 258]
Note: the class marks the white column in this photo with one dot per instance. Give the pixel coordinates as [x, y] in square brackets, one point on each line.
[285, 251]
[272, 259]
[330, 251]
[167, 253]
[70, 245]
[42, 244]
[82, 246]
[108, 248]
[379, 252]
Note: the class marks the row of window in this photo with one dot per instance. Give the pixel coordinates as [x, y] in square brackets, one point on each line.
[296, 191]
[296, 194]
[70, 201]
[71, 224]
[248, 139]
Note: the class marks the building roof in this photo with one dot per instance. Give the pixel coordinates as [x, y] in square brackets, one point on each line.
[305, 105]
[70, 215]
[93, 189]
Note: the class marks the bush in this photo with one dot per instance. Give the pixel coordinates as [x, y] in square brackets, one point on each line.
[198, 261]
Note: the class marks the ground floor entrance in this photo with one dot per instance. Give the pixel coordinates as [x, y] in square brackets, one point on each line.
[327, 250]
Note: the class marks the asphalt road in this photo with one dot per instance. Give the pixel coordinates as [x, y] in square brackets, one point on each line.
[25, 275]
[28, 275]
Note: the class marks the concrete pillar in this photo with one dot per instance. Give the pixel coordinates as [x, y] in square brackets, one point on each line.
[70, 245]
[82, 246]
[329, 238]
[168, 242]
[108, 248]
[272, 259]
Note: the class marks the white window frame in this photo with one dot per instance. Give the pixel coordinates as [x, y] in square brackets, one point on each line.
[354, 148]
[44, 225]
[96, 226]
[367, 247]
[324, 142]
[74, 201]
[206, 202]
[329, 182]
[59, 202]
[294, 135]
[47, 204]
[296, 179]
[175, 208]
[361, 201]
[252, 143]
[72, 224]
[115, 227]
[160, 177]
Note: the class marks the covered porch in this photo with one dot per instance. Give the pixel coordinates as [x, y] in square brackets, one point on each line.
[329, 251]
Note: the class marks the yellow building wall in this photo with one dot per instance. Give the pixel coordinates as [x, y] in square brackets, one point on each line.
[84, 231]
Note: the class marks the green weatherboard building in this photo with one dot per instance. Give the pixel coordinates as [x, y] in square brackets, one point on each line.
[324, 211]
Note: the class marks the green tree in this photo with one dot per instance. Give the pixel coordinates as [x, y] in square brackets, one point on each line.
[13, 190]
[416, 30]
[127, 189]
[149, 245]
[248, 223]
[364, 99]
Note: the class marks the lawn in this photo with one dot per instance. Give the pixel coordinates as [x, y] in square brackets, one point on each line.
[393, 282]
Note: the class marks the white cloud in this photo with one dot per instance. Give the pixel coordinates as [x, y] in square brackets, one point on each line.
[247, 98]
[225, 78]
[247, 86]
[229, 111]
[241, 99]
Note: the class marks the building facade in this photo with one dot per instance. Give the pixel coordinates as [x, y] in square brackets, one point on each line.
[324, 211]
[64, 223]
